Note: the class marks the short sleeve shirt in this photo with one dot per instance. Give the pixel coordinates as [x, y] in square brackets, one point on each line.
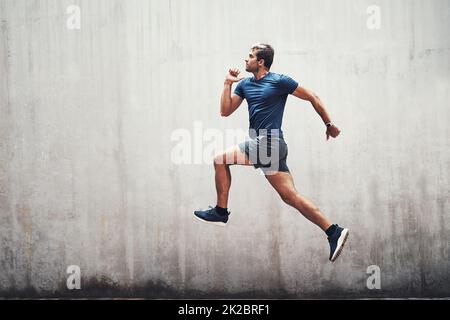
[266, 99]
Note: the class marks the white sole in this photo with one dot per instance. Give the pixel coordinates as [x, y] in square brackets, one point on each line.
[215, 223]
[340, 245]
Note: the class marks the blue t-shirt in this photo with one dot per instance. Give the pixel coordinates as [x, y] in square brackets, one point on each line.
[266, 99]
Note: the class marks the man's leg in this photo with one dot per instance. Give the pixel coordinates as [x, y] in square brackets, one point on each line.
[284, 185]
[222, 164]
[219, 214]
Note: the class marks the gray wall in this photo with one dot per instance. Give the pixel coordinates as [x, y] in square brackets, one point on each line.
[87, 178]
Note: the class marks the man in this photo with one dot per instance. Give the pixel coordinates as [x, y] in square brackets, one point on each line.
[266, 94]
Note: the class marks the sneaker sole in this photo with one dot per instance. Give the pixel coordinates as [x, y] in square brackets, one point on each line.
[215, 223]
[341, 241]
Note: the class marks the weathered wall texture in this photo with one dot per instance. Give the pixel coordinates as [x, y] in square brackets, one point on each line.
[87, 179]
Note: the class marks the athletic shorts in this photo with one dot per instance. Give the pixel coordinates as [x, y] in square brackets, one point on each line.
[266, 152]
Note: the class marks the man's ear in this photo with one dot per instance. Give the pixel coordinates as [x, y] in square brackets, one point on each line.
[261, 62]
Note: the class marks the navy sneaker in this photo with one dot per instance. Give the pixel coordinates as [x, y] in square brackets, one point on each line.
[211, 216]
[337, 241]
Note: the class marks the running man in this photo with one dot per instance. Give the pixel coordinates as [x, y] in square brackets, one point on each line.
[266, 94]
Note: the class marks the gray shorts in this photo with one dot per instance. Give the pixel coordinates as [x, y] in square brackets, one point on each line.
[267, 152]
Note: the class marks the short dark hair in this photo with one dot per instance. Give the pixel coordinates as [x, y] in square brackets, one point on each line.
[264, 51]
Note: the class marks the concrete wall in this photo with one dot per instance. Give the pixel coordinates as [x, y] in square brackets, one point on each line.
[87, 176]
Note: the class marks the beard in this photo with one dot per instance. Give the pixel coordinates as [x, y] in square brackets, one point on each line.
[249, 69]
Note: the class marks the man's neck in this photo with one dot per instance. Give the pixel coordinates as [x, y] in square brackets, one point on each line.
[260, 73]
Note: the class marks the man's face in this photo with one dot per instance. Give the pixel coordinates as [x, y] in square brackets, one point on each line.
[251, 63]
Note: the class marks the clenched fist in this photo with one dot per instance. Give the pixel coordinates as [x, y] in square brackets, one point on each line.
[233, 76]
[332, 131]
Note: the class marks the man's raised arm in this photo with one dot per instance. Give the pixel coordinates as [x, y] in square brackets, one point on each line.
[229, 103]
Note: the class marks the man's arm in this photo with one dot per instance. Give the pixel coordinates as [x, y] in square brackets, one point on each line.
[229, 103]
[318, 105]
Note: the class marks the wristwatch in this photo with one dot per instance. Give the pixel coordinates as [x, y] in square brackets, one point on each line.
[328, 124]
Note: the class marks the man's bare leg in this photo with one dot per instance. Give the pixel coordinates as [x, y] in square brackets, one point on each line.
[222, 164]
[284, 185]
[219, 214]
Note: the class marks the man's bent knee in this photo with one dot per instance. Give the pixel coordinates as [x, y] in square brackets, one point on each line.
[289, 197]
[218, 160]
[222, 159]
[231, 157]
